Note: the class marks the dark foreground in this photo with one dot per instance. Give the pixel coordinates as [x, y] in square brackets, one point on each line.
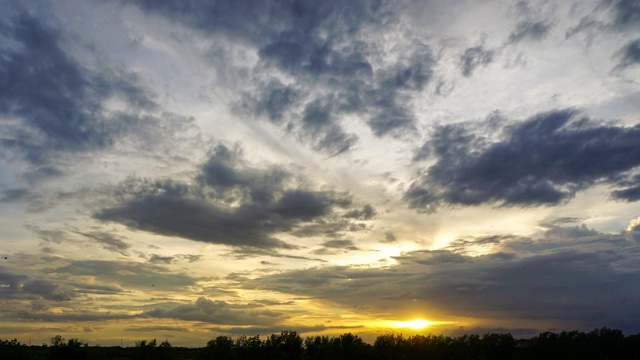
[288, 345]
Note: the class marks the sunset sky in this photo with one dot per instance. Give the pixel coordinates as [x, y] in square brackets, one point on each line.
[186, 169]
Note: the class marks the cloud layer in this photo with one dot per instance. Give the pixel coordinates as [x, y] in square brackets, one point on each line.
[544, 160]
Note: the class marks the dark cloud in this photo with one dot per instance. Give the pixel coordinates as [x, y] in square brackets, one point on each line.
[336, 246]
[190, 258]
[534, 30]
[585, 281]
[626, 13]
[54, 236]
[474, 57]
[40, 173]
[366, 213]
[10, 281]
[43, 287]
[157, 259]
[72, 316]
[216, 312]
[108, 241]
[47, 290]
[629, 55]
[389, 237]
[129, 274]
[628, 194]
[462, 246]
[273, 101]
[14, 195]
[328, 58]
[544, 160]
[340, 244]
[59, 102]
[232, 203]
[245, 252]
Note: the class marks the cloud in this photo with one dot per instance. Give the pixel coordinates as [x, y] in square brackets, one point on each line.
[72, 315]
[157, 259]
[334, 246]
[633, 231]
[544, 160]
[46, 289]
[584, 280]
[317, 65]
[109, 241]
[626, 13]
[389, 237]
[216, 312]
[14, 195]
[474, 57]
[59, 103]
[11, 281]
[629, 55]
[129, 274]
[231, 203]
[529, 30]
[366, 213]
[54, 236]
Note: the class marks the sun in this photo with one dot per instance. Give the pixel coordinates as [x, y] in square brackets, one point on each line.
[415, 324]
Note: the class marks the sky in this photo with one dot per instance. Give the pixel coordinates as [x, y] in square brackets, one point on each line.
[186, 169]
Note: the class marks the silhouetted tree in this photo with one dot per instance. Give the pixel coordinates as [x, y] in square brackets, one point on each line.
[284, 346]
[73, 349]
[249, 347]
[146, 349]
[390, 347]
[350, 347]
[221, 347]
[318, 347]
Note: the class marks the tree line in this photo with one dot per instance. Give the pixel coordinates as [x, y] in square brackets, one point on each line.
[598, 344]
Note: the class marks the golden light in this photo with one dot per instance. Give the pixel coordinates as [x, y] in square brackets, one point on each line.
[415, 324]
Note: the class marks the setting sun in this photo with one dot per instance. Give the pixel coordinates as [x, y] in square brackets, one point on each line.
[413, 324]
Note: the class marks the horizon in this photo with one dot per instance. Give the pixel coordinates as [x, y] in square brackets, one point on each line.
[187, 169]
[460, 334]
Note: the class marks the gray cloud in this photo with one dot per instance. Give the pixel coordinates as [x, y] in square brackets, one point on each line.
[54, 236]
[340, 244]
[45, 287]
[474, 57]
[389, 237]
[534, 30]
[129, 274]
[217, 312]
[336, 246]
[47, 290]
[542, 161]
[628, 194]
[586, 280]
[157, 259]
[71, 316]
[14, 195]
[366, 213]
[10, 281]
[327, 55]
[629, 55]
[59, 102]
[626, 13]
[232, 203]
[108, 241]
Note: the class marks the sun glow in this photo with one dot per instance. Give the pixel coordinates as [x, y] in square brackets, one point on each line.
[415, 324]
